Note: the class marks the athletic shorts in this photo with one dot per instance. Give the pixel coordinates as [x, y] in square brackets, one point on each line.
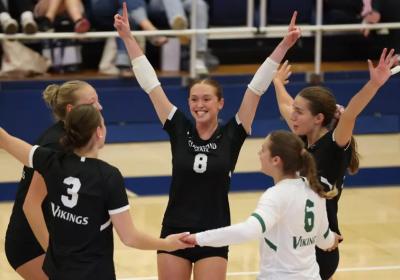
[328, 262]
[21, 247]
[193, 254]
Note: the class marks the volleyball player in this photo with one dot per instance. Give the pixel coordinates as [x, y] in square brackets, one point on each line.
[204, 155]
[26, 243]
[310, 115]
[86, 197]
[290, 219]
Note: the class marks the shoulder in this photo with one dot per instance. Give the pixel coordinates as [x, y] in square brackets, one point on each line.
[51, 137]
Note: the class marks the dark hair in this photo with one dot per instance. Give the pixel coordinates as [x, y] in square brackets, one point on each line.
[57, 97]
[322, 101]
[80, 124]
[295, 158]
[210, 82]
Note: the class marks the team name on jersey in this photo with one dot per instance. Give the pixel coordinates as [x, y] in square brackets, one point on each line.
[301, 242]
[203, 148]
[69, 217]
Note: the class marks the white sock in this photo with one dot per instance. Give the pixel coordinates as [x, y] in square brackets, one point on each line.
[26, 16]
[4, 16]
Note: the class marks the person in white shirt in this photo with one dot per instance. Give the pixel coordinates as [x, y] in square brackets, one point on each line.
[290, 219]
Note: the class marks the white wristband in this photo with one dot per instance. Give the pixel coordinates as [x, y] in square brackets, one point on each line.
[144, 73]
[263, 77]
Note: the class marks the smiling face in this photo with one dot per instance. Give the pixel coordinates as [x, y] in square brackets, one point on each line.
[204, 103]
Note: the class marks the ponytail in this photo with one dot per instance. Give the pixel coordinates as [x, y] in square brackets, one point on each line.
[355, 157]
[309, 169]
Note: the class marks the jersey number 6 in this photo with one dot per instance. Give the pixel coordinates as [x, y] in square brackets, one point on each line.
[74, 184]
[308, 216]
[200, 163]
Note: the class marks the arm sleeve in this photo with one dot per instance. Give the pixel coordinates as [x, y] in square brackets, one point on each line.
[116, 197]
[235, 234]
[254, 227]
[325, 237]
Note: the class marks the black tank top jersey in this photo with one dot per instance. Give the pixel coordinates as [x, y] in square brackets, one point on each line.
[332, 162]
[201, 173]
[18, 226]
[82, 193]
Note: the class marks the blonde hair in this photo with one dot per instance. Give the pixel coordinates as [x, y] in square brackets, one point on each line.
[57, 97]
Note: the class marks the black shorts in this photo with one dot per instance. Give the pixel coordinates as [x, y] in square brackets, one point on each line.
[21, 247]
[328, 262]
[193, 254]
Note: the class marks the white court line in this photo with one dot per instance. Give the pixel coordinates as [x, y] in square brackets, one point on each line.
[249, 273]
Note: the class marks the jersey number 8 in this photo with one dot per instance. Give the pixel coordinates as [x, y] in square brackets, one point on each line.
[200, 163]
[74, 184]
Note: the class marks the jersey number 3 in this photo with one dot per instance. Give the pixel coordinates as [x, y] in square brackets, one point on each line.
[74, 184]
[200, 163]
[308, 216]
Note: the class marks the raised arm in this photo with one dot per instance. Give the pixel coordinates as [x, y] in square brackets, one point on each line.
[15, 146]
[378, 77]
[264, 75]
[132, 237]
[33, 209]
[285, 101]
[144, 72]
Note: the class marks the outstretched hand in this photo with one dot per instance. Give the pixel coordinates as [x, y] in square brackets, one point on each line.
[381, 73]
[283, 74]
[121, 23]
[294, 32]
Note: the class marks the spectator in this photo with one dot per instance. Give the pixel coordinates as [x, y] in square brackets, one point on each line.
[8, 24]
[23, 9]
[175, 12]
[47, 10]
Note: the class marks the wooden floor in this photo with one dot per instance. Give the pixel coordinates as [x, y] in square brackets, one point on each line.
[370, 217]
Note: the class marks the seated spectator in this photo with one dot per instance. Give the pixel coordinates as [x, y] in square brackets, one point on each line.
[47, 10]
[8, 24]
[375, 11]
[175, 12]
[23, 9]
[368, 11]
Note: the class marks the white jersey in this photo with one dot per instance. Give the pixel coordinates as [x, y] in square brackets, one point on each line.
[290, 221]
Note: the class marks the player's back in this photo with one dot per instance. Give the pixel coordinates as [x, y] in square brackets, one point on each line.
[81, 192]
[288, 247]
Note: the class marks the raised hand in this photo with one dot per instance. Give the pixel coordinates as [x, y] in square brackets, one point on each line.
[381, 73]
[294, 32]
[283, 74]
[121, 23]
[176, 241]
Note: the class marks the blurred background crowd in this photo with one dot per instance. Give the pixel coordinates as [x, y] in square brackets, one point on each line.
[80, 16]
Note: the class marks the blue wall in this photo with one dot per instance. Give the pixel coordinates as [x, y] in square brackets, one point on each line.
[131, 117]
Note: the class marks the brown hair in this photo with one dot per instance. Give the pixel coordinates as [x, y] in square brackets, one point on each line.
[80, 124]
[290, 148]
[212, 83]
[322, 101]
[57, 97]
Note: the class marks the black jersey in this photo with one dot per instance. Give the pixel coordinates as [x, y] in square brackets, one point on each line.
[332, 162]
[82, 193]
[201, 172]
[18, 227]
